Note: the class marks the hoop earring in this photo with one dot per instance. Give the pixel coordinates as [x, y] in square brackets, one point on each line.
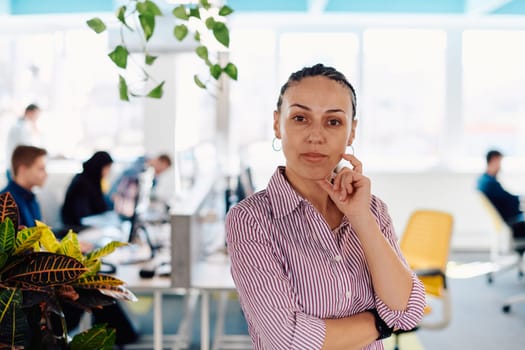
[352, 148]
[276, 144]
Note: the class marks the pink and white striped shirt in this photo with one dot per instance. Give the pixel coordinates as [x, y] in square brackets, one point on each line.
[291, 271]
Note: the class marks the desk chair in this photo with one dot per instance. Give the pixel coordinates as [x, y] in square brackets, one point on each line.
[502, 242]
[425, 245]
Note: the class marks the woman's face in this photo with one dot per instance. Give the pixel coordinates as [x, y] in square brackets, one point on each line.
[106, 171]
[315, 126]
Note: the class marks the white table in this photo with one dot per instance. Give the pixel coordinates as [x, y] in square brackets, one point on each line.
[214, 276]
[157, 286]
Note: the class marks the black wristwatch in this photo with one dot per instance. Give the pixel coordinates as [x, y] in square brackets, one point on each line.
[381, 326]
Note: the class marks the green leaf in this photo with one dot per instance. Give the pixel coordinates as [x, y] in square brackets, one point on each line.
[194, 12]
[97, 281]
[148, 8]
[7, 236]
[215, 71]
[3, 259]
[210, 22]
[231, 70]
[148, 59]
[197, 36]
[13, 320]
[48, 239]
[147, 22]
[121, 15]
[180, 12]
[69, 246]
[8, 208]
[26, 238]
[180, 31]
[123, 88]
[202, 52]
[221, 33]
[199, 82]
[119, 56]
[97, 337]
[42, 269]
[225, 11]
[205, 4]
[102, 252]
[157, 91]
[96, 24]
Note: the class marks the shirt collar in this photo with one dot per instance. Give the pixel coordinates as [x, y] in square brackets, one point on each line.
[27, 195]
[281, 194]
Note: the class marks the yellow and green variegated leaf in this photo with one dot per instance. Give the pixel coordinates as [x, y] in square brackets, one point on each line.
[13, 321]
[7, 236]
[26, 238]
[93, 267]
[69, 246]
[97, 337]
[43, 269]
[97, 282]
[118, 293]
[7, 299]
[102, 252]
[48, 239]
[8, 208]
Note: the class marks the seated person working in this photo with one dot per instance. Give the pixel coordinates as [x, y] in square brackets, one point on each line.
[130, 176]
[28, 164]
[507, 204]
[84, 196]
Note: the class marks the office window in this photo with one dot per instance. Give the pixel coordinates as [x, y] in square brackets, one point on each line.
[402, 112]
[70, 76]
[340, 50]
[253, 96]
[493, 86]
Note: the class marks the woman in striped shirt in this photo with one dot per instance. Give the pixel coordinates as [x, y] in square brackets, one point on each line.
[314, 256]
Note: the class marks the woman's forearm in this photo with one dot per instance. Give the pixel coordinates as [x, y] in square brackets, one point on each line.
[386, 268]
[354, 332]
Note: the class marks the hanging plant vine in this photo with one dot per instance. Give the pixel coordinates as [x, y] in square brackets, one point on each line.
[139, 17]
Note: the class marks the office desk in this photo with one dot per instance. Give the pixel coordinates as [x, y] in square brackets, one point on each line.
[158, 286]
[210, 276]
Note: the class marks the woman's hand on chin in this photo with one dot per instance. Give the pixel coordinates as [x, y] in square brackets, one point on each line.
[349, 189]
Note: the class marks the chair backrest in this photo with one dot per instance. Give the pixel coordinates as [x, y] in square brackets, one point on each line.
[426, 244]
[426, 240]
[495, 217]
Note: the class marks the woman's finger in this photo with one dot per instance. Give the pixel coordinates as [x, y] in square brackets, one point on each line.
[356, 163]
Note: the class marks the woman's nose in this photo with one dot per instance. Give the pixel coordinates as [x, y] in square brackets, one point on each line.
[315, 135]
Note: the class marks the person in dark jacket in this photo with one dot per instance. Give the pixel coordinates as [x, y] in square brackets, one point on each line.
[29, 171]
[507, 204]
[84, 196]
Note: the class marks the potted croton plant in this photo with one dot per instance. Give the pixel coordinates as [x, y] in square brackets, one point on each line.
[39, 274]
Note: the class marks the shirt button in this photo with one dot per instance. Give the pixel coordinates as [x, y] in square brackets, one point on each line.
[338, 258]
[348, 294]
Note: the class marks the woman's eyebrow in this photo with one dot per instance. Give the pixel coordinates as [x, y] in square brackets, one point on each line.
[332, 110]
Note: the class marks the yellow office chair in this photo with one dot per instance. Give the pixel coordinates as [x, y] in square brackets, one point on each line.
[426, 245]
[502, 243]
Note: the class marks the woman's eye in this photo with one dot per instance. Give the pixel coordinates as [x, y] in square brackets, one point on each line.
[299, 118]
[334, 122]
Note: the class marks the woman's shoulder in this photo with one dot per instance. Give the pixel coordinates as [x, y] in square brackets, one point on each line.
[256, 203]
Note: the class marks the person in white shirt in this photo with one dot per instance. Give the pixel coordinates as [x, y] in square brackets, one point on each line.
[24, 132]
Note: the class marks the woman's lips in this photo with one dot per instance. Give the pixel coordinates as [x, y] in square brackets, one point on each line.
[313, 157]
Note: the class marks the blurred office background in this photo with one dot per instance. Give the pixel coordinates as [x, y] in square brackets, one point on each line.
[438, 84]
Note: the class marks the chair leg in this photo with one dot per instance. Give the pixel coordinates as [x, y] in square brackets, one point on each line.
[396, 342]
